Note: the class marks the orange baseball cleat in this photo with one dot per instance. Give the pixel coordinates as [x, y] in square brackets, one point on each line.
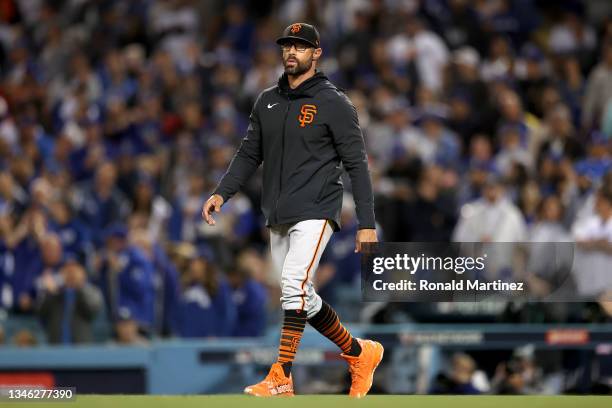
[362, 367]
[276, 384]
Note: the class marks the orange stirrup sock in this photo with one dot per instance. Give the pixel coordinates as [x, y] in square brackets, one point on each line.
[291, 334]
[327, 323]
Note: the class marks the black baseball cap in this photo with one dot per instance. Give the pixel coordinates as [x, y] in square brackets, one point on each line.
[301, 31]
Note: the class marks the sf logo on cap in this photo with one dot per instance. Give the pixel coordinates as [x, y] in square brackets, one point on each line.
[295, 28]
[307, 114]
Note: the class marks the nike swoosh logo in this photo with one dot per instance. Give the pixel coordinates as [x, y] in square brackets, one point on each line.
[270, 106]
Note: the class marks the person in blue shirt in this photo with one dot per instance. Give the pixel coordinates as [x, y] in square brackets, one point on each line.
[168, 289]
[126, 277]
[102, 204]
[34, 256]
[183, 223]
[72, 233]
[165, 277]
[250, 297]
[20, 284]
[205, 307]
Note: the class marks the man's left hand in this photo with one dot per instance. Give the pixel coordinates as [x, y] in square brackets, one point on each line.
[364, 236]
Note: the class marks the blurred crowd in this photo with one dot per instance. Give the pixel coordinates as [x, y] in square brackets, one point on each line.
[484, 120]
[519, 373]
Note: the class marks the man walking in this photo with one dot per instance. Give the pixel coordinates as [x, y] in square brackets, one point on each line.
[302, 130]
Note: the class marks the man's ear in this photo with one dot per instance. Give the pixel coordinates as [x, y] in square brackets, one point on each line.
[317, 53]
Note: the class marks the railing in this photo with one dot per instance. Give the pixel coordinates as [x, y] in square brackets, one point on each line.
[226, 365]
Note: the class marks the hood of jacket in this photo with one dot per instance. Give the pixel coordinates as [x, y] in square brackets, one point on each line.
[308, 88]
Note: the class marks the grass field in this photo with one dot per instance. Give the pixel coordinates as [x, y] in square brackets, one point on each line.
[324, 401]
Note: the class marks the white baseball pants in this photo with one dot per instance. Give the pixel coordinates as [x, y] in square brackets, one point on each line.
[296, 250]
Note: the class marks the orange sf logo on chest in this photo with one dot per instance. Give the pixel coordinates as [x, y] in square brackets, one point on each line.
[307, 114]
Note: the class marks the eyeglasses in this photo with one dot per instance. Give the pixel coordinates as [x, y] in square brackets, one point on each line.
[299, 47]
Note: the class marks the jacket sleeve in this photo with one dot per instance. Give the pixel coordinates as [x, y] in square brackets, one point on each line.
[350, 145]
[246, 160]
[88, 301]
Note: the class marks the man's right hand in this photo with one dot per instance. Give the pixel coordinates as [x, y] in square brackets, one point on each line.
[214, 203]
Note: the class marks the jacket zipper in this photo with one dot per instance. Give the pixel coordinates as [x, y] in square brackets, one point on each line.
[280, 176]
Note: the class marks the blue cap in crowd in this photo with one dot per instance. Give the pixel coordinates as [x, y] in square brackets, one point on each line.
[116, 230]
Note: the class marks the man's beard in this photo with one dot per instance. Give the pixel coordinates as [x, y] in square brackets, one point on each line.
[299, 68]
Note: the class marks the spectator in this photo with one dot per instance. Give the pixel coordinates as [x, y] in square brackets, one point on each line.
[593, 237]
[24, 338]
[354, 47]
[478, 165]
[598, 92]
[546, 273]
[532, 374]
[126, 278]
[8, 129]
[549, 226]
[167, 293]
[438, 144]
[529, 200]
[521, 375]
[7, 264]
[572, 35]
[459, 378]
[72, 233]
[128, 330]
[249, 297]
[394, 132]
[512, 151]
[492, 218]
[559, 137]
[533, 78]
[205, 307]
[430, 216]
[68, 305]
[498, 64]
[12, 197]
[185, 217]
[165, 278]
[591, 171]
[102, 204]
[496, 222]
[459, 24]
[38, 254]
[513, 116]
[421, 47]
[511, 381]
[462, 118]
[151, 206]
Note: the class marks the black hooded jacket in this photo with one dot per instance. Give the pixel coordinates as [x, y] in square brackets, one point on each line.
[303, 136]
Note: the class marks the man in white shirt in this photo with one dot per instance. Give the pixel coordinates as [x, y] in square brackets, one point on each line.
[593, 258]
[496, 222]
[491, 218]
[423, 46]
